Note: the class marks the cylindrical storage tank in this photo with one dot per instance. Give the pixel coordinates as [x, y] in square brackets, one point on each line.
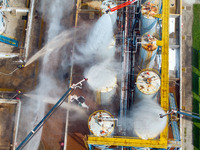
[148, 22]
[2, 23]
[103, 80]
[153, 1]
[104, 96]
[101, 123]
[143, 1]
[148, 51]
[107, 4]
[147, 84]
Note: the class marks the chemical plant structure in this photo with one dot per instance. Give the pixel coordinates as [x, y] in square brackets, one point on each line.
[128, 97]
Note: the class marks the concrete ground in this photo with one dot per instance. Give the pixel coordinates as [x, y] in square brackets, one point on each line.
[7, 117]
[187, 20]
[21, 79]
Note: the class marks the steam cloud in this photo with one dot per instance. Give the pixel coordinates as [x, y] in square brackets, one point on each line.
[145, 119]
[33, 109]
[96, 49]
[101, 76]
[99, 53]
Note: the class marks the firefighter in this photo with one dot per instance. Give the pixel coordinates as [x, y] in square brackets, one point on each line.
[79, 101]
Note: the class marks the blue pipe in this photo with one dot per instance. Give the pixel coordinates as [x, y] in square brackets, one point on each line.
[90, 147]
[8, 40]
[46, 117]
[186, 114]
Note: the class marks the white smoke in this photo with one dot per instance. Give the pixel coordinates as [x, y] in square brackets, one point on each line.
[96, 48]
[53, 12]
[145, 119]
[99, 54]
[101, 76]
[33, 109]
[55, 15]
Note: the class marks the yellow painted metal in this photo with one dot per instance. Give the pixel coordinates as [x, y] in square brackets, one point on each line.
[165, 66]
[163, 140]
[165, 57]
[157, 15]
[181, 6]
[85, 142]
[8, 36]
[77, 12]
[98, 97]
[7, 90]
[126, 141]
[159, 43]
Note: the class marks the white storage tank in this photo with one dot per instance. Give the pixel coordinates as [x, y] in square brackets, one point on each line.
[101, 123]
[148, 50]
[103, 80]
[105, 95]
[148, 22]
[147, 84]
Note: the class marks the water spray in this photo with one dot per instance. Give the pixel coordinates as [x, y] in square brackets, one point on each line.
[49, 114]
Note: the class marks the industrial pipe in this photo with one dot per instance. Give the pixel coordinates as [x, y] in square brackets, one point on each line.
[18, 10]
[49, 114]
[179, 112]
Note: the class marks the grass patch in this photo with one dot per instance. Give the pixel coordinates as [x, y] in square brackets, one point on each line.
[195, 77]
[196, 27]
[196, 58]
[195, 84]
[196, 137]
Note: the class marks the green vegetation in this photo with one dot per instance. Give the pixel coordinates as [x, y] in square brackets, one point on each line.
[196, 27]
[195, 74]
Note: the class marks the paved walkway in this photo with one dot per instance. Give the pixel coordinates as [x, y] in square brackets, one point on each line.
[187, 20]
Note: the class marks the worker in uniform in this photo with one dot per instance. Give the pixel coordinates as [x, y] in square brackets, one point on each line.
[79, 101]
